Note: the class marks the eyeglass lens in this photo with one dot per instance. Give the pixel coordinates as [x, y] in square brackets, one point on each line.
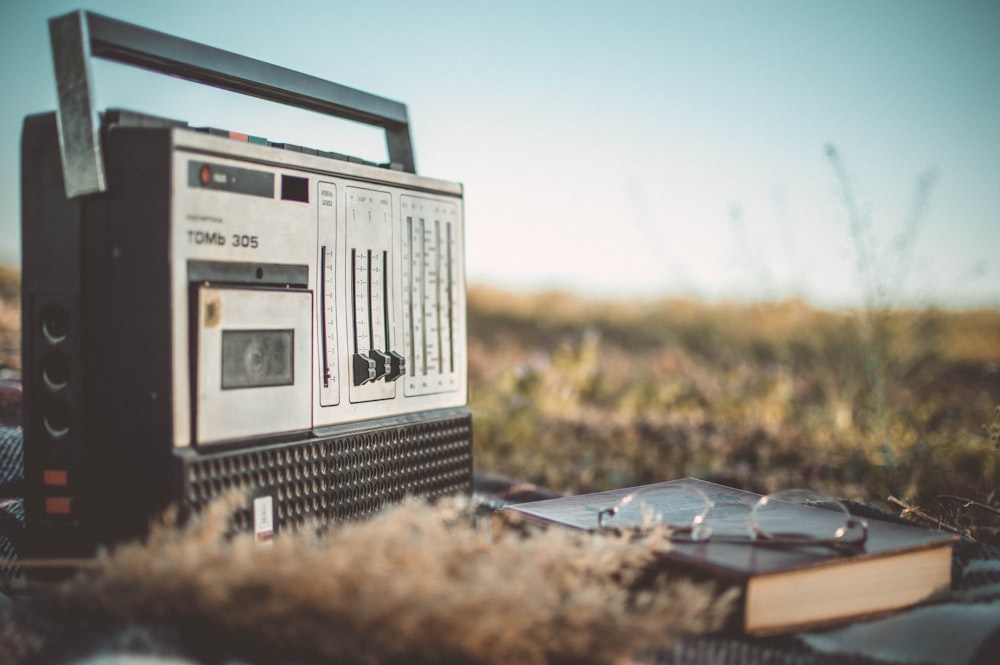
[790, 515]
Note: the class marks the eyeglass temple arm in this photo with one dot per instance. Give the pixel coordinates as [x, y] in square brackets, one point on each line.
[610, 512]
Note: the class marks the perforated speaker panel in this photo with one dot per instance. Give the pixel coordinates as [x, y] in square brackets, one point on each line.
[342, 476]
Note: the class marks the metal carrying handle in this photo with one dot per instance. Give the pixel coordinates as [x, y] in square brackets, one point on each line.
[81, 35]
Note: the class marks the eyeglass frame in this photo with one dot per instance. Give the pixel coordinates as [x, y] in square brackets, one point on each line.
[756, 536]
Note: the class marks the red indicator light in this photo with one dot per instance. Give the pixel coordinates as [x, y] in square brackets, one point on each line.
[205, 175]
[59, 505]
[55, 478]
[236, 136]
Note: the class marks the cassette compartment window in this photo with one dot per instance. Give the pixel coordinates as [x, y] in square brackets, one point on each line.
[257, 358]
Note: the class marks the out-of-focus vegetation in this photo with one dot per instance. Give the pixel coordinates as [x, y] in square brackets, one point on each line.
[582, 395]
[10, 318]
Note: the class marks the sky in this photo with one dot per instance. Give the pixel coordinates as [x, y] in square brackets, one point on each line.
[627, 148]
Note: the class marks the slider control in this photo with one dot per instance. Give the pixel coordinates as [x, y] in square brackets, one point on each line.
[364, 369]
[382, 362]
[397, 366]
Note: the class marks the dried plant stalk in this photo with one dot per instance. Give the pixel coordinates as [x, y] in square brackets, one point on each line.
[415, 584]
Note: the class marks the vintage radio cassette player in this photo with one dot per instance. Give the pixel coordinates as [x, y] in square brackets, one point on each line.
[206, 312]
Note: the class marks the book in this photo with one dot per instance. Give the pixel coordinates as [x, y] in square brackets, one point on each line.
[788, 586]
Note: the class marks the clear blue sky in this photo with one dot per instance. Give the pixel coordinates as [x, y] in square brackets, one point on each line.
[623, 147]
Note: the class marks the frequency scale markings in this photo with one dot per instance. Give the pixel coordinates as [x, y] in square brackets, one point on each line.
[429, 295]
[329, 388]
[375, 365]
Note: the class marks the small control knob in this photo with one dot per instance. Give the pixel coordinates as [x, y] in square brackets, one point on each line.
[382, 363]
[364, 369]
[397, 366]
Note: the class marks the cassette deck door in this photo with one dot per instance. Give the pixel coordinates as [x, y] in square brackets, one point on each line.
[254, 352]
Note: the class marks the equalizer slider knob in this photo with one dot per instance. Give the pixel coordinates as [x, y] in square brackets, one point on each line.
[364, 369]
[397, 366]
[381, 359]
[376, 364]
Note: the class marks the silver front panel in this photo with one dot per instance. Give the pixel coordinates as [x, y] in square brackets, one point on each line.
[383, 255]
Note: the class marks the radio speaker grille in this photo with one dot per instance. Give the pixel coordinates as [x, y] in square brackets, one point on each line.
[339, 477]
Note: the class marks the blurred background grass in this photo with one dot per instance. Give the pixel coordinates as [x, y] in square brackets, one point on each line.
[10, 318]
[584, 395]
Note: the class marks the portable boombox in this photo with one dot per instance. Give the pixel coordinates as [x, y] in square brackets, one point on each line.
[206, 312]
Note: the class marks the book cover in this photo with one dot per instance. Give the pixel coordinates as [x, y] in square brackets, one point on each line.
[787, 585]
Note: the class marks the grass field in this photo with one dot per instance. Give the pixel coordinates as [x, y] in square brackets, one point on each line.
[583, 395]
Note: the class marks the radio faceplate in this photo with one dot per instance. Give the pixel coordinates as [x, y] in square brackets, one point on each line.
[382, 254]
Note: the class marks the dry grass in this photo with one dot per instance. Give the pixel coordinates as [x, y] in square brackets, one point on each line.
[417, 584]
[10, 318]
[579, 395]
[585, 395]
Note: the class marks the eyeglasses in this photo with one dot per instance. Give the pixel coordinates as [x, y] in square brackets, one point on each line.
[790, 518]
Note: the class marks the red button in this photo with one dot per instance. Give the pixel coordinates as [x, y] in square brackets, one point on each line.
[55, 478]
[59, 505]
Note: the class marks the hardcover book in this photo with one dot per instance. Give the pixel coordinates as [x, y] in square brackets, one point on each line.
[789, 582]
